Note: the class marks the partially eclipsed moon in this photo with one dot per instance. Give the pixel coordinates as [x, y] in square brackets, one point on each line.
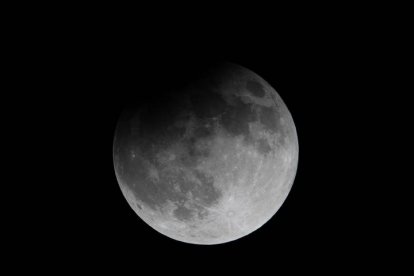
[210, 164]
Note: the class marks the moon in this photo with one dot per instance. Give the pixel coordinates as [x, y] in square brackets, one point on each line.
[208, 163]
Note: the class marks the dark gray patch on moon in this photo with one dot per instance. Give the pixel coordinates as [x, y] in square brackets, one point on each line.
[178, 178]
[204, 129]
[237, 118]
[135, 176]
[192, 154]
[183, 213]
[269, 117]
[207, 104]
[263, 146]
[204, 191]
[157, 118]
[201, 211]
[207, 192]
[255, 88]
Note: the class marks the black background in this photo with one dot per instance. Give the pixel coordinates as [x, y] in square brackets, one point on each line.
[90, 71]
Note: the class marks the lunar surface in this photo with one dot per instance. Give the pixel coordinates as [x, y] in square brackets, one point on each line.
[210, 163]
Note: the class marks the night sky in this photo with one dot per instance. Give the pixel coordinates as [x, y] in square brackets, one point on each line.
[85, 220]
[101, 222]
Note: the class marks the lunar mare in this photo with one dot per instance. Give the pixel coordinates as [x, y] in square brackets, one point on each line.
[211, 164]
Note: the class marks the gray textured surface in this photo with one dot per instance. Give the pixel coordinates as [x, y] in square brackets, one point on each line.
[211, 164]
